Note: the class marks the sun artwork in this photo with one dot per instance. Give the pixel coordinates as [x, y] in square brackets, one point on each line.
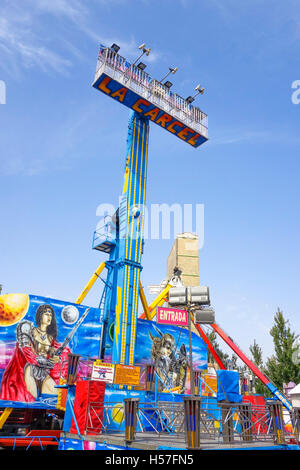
[13, 307]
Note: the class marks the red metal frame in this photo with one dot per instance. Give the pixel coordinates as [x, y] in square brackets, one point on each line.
[210, 346]
[240, 354]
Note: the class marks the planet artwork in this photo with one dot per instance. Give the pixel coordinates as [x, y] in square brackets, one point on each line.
[13, 307]
[118, 413]
[69, 314]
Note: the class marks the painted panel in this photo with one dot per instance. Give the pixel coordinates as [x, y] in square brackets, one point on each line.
[33, 349]
[167, 347]
[132, 100]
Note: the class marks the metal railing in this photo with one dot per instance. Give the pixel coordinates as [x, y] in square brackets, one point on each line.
[139, 81]
[106, 233]
[220, 423]
[223, 424]
[34, 441]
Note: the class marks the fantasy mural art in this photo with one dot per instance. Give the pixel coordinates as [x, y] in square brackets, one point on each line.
[36, 336]
[166, 346]
[170, 357]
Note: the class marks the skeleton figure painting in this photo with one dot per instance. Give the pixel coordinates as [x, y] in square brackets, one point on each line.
[171, 367]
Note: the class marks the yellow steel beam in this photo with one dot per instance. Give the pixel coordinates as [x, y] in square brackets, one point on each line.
[90, 284]
[160, 299]
[4, 415]
[144, 302]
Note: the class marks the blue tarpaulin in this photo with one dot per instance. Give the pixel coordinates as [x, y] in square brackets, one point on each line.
[228, 386]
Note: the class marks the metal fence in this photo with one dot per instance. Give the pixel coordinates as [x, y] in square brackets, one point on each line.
[224, 423]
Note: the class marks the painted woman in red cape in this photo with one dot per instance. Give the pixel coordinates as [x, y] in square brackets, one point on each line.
[35, 368]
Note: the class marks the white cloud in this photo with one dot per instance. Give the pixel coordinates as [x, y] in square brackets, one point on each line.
[21, 46]
[23, 42]
[71, 9]
[235, 136]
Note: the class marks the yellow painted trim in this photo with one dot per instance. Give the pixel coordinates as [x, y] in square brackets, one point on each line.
[135, 180]
[156, 302]
[118, 314]
[129, 192]
[144, 194]
[126, 175]
[134, 316]
[142, 169]
[127, 275]
[5, 414]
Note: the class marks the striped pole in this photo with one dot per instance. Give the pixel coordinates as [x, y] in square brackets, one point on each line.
[276, 416]
[197, 381]
[192, 421]
[246, 421]
[295, 415]
[131, 410]
[150, 372]
[227, 422]
[73, 362]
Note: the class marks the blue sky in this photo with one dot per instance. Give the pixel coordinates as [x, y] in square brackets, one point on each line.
[62, 147]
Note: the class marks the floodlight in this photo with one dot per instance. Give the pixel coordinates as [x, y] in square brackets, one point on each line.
[199, 295]
[168, 84]
[141, 66]
[199, 89]
[171, 70]
[142, 47]
[204, 316]
[177, 296]
[115, 48]
[189, 99]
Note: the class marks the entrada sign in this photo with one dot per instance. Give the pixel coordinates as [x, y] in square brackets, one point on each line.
[172, 316]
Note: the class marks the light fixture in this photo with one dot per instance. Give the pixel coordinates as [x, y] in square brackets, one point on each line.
[199, 90]
[141, 66]
[115, 48]
[171, 70]
[144, 50]
[189, 99]
[168, 84]
[204, 316]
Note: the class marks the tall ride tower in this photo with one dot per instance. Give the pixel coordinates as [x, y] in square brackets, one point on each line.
[122, 237]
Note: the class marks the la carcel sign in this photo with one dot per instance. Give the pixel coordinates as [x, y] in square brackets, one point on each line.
[172, 316]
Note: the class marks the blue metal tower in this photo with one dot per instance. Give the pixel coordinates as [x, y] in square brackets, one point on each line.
[122, 237]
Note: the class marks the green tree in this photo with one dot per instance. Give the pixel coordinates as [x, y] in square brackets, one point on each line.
[212, 336]
[281, 366]
[257, 359]
[225, 358]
